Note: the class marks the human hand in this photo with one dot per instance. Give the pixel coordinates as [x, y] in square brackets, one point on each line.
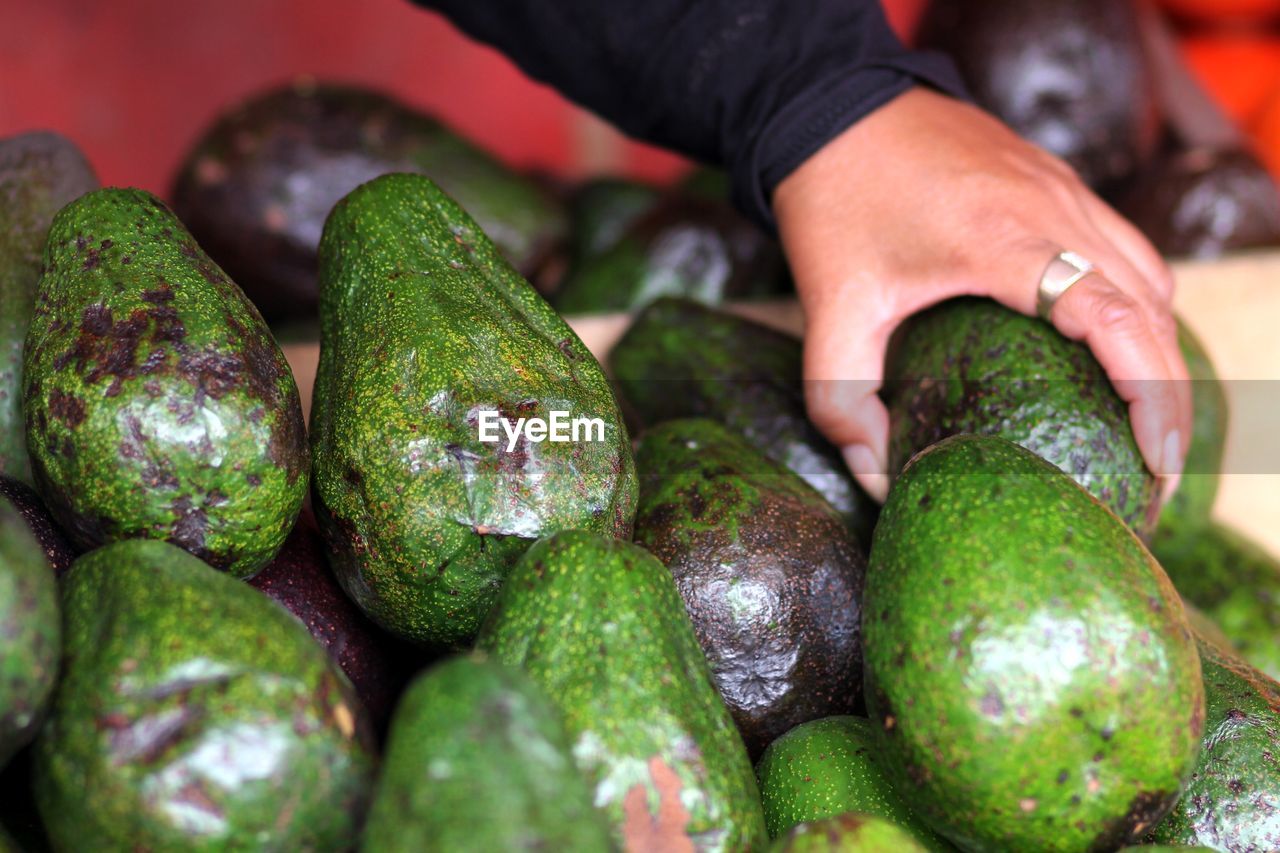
[929, 198]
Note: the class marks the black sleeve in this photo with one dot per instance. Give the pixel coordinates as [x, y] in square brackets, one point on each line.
[755, 86]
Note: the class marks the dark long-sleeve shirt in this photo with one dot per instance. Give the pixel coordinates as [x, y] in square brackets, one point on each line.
[755, 86]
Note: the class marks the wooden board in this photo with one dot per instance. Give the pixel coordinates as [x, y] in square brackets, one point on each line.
[1233, 306]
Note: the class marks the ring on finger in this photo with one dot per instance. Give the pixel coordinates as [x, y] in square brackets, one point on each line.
[1065, 269]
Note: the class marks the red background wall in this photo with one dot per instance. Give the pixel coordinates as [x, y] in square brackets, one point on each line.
[135, 81]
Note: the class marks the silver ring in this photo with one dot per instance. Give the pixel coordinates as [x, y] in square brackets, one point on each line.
[1063, 271]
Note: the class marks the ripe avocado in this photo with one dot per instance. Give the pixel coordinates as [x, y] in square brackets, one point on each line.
[973, 366]
[424, 327]
[157, 403]
[31, 629]
[57, 550]
[597, 623]
[600, 212]
[257, 186]
[478, 759]
[1203, 203]
[1027, 663]
[39, 173]
[847, 833]
[1233, 799]
[1069, 75]
[828, 767]
[194, 712]
[769, 573]
[680, 359]
[684, 246]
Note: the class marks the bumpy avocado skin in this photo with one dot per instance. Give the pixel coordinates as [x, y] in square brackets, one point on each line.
[424, 326]
[1233, 799]
[974, 366]
[1235, 582]
[680, 359]
[769, 573]
[193, 712]
[826, 768]
[57, 548]
[478, 759]
[598, 624]
[157, 403]
[1027, 662]
[31, 630]
[39, 173]
[848, 833]
[258, 185]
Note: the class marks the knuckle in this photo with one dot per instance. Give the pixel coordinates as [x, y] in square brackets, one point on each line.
[1113, 310]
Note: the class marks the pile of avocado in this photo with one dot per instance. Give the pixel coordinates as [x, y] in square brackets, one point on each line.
[415, 622]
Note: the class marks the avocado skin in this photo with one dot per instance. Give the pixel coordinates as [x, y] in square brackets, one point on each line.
[1068, 75]
[684, 246]
[680, 359]
[424, 325]
[57, 549]
[601, 210]
[828, 767]
[1203, 203]
[597, 623]
[1233, 799]
[1235, 582]
[299, 580]
[32, 629]
[157, 403]
[1027, 663]
[478, 759]
[847, 833]
[258, 185]
[769, 573]
[194, 712]
[39, 173]
[973, 366]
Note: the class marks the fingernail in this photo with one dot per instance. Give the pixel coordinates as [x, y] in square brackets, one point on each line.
[1171, 465]
[869, 470]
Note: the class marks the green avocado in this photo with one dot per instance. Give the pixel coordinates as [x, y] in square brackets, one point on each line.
[478, 759]
[31, 630]
[598, 624]
[825, 768]
[601, 210]
[847, 833]
[427, 335]
[1235, 582]
[973, 366]
[769, 573]
[1233, 799]
[683, 246]
[1027, 663]
[680, 359]
[157, 403]
[39, 174]
[257, 186]
[57, 548]
[194, 712]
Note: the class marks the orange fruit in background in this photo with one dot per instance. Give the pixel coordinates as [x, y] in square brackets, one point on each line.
[1224, 11]
[1240, 69]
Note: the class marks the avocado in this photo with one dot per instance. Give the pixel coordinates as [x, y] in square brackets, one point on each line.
[825, 768]
[847, 833]
[299, 579]
[706, 182]
[57, 550]
[478, 759]
[680, 359]
[39, 173]
[597, 623]
[1235, 582]
[194, 712]
[427, 334]
[973, 366]
[1070, 76]
[1233, 799]
[157, 403]
[1204, 202]
[257, 186]
[1027, 663]
[684, 246]
[769, 573]
[601, 210]
[32, 631]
